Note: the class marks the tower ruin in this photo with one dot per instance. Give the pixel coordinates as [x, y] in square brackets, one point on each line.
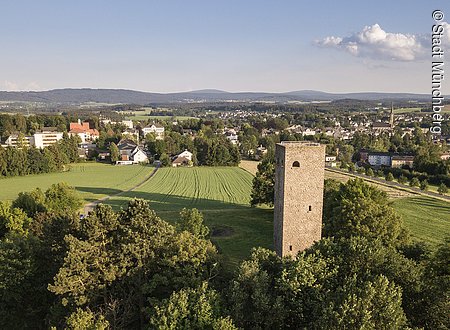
[299, 175]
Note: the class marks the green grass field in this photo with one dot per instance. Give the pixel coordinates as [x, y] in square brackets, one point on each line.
[144, 114]
[406, 110]
[93, 180]
[428, 219]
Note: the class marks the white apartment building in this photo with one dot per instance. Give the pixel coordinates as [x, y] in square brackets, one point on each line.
[12, 141]
[46, 138]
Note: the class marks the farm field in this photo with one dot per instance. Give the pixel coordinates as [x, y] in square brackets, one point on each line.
[145, 115]
[222, 194]
[92, 180]
[406, 110]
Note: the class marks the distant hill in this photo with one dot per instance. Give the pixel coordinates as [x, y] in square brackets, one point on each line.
[84, 95]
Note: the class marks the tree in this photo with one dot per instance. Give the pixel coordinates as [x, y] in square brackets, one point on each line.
[31, 202]
[402, 179]
[359, 209]
[20, 301]
[389, 177]
[424, 185]
[264, 182]
[351, 167]
[346, 153]
[337, 283]
[437, 289]
[13, 220]
[192, 221]
[254, 301]
[122, 263]
[62, 199]
[86, 320]
[114, 152]
[164, 159]
[373, 304]
[196, 308]
[442, 189]
[369, 171]
[414, 182]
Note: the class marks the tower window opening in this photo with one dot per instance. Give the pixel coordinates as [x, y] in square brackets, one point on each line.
[296, 164]
[290, 247]
[310, 208]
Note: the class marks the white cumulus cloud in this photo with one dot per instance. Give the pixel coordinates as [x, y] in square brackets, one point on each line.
[374, 42]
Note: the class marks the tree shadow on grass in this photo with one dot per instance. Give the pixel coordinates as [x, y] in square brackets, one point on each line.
[427, 202]
[250, 226]
[163, 202]
[99, 191]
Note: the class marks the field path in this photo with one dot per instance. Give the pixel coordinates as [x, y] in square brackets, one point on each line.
[90, 206]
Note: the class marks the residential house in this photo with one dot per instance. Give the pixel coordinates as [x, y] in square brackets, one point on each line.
[379, 127]
[130, 153]
[232, 136]
[389, 159]
[127, 123]
[183, 159]
[398, 161]
[379, 159]
[330, 161]
[132, 133]
[157, 129]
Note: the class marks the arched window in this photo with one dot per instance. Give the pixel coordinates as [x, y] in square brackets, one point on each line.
[296, 164]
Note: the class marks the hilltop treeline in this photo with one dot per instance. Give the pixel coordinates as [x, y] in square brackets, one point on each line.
[132, 270]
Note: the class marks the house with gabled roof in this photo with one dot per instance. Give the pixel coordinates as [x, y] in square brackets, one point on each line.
[130, 153]
[183, 159]
[157, 129]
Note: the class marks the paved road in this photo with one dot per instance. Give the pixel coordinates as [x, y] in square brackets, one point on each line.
[390, 184]
[90, 206]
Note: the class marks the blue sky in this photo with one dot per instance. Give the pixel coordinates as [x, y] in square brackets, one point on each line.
[234, 45]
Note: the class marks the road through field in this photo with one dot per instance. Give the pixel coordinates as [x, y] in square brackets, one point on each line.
[392, 184]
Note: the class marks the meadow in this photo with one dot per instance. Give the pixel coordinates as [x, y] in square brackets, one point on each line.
[92, 180]
[145, 114]
[406, 110]
[427, 219]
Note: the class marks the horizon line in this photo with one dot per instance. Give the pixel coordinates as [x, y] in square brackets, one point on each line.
[208, 89]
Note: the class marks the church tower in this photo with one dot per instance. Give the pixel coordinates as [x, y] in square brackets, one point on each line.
[299, 176]
[391, 118]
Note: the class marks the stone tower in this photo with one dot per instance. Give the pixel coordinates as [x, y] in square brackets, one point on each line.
[299, 175]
